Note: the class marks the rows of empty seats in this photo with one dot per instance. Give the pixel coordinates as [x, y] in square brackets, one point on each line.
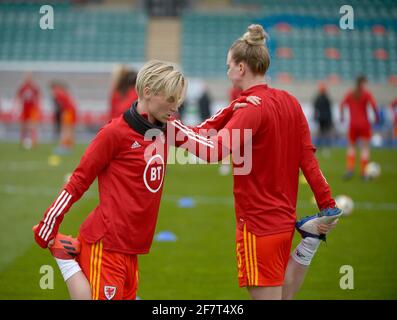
[367, 9]
[205, 40]
[305, 39]
[315, 53]
[79, 34]
[304, 43]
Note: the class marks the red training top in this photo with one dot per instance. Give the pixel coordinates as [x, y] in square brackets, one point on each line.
[358, 109]
[66, 102]
[266, 195]
[130, 171]
[394, 109]
[29, 95]
[234, 93]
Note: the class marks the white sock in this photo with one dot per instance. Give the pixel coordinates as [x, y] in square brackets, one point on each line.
[305, 250]
[68, 267]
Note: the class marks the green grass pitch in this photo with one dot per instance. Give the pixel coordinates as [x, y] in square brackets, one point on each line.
[201, 264]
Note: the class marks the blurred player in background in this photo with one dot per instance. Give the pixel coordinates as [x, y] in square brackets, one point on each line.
[57, 115]
[123, 92]
[393, 106]
[204, 103]
[323, 117]
[130, 188]
[67, 105]
[28, 99]
[265, 197]
[357, 101]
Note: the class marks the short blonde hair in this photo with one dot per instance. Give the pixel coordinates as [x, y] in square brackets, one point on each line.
[162, 78]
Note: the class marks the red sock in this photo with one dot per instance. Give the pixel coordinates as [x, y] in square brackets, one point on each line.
[350, 161]
[363, 164]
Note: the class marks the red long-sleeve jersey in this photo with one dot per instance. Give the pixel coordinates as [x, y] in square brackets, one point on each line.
[266, 195]
[29, 94]
[130, 171]
[234, 93]
[394, 110]
[358, 108]
[29, 97]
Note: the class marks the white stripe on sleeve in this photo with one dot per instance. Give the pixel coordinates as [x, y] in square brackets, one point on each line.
[60, 210]
[195, 136]
[49, 213]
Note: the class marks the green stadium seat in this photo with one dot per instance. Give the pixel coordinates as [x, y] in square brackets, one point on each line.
[79, 35]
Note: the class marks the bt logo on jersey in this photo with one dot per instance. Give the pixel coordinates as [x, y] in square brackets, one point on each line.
[154, 173]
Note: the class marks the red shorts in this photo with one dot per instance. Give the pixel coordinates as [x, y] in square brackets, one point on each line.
[30, 114]
[359, 133]
[112, 275]
[68, 117]
[262, 261]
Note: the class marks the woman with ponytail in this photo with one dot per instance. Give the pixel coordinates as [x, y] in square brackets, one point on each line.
[266, 194]
[356, 101]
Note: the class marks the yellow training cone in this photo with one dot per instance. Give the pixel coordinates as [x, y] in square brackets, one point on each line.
[54, 160]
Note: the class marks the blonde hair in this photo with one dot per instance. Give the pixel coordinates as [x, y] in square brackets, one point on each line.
[161, 78]
[251, 49]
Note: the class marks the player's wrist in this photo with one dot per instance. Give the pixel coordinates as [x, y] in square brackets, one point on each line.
[44, 239]
[41, 242]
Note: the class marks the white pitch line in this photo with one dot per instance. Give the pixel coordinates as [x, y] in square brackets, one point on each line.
[23, 166]
[199, 199]
[36, 191]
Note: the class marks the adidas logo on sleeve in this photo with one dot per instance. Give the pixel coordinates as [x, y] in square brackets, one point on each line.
[135, 145]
